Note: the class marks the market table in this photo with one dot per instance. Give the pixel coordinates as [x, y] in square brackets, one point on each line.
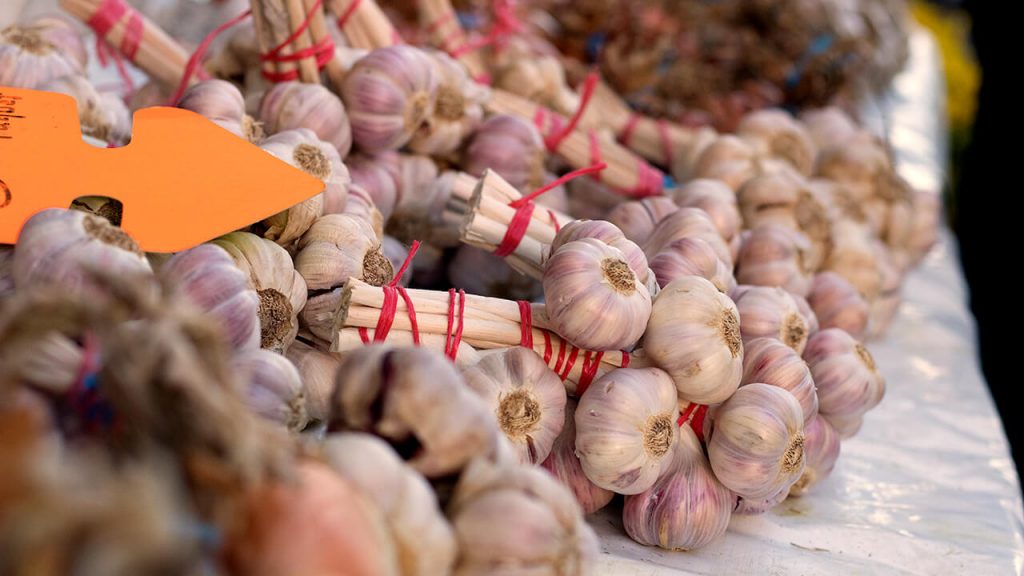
[928, 485]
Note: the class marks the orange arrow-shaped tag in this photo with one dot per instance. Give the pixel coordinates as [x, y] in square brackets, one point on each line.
[182, 180]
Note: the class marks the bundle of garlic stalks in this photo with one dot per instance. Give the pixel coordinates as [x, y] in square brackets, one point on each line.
[500, 312]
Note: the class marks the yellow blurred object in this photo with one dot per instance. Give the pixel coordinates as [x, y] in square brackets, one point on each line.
[951, 29]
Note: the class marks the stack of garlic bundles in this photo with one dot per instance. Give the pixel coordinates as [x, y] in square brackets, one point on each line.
[614, 330]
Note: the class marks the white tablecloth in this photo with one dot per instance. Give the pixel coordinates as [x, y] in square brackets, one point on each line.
[928, 486]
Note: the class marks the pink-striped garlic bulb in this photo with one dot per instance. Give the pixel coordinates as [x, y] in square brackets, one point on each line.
[837, 304]
[60, 248]
[719, 201]
[511, 147]
[457, 111]
[360, 204]
[769, 311]
[207, 276]
[687, 508]
[637, 218]
[756, 446]
[481, 272]
[748, 507]
[769, 361]
[592, 296]
[694, 335]
[101, 115]
[222, 103]
[273, 387]
[564, 464]
[687, 223]
[691, 257]
[371, 173]
[63, 33]
[821, 450]
[302, 149]
[389, 94]
[773, 255]
[36, 53]
[526, 397]
[281, 290]
[609, 234]
[317, 370]
[775, 133]
[626, 431]
[728, 159]
[848, 380]
[291, 105]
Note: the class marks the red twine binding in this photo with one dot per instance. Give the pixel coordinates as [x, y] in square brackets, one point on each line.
[570, 362]
[107, 15]
[590, 364]
[453, 339]
[322, 51]
[194, 61]
[347, 14]
[694, 416]
[627, 131]
[526, 324]
[666, 141]
[547, 347]
[625, 360]
[387, 310]
[553, 140]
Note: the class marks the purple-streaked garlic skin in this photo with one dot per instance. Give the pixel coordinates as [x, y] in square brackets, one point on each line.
[290, 105]
[510, 146]
[748, 507]
[32, 55]
[770, 361]
[687, 223]
[207, 276]
[371, 173]
[821, 451]
[719, 201]
[837, 304]
[609, 234]
[317, 370]
[457, 110]
[564, 464]
[273, 387]
[847, 378]
[687, 508]
[691, 257]
[772, 255]
[222, 103]
[637, 218]
[768, 311]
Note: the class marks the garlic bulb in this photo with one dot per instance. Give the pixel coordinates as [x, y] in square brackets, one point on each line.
[609, 234]
[338, 247]
[290, 105]
[769, 361]
[626, 429]
[756, 443]
[425, 543]
[281, 290]
[527, 399]
[748, 507]
[637, 218]
[685, 509]
[61, 248]
[62, 32]
[768, 311]
[34, 54]
[837, 304]
[772, 255]
[371, 173]
[511, 147]
[302, 149]
[848, 380]
[317, 370]
[102, 116]
[728, 159]
[416, 400]
[457, 111]
[389, 94]
[861, 165]
[828, 127]
[360, 204]
[481, 272]
[592, 296]
[694, 335]
[719, 202]
[541, 529]
[273, 387]
[691, 257]
[687, 223]
[207, 276]
[821, 450]
[774, 132]
[564, 465]
[855, 258]
[222, 103]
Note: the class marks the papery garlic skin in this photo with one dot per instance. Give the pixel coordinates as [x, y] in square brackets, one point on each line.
[719, 202]
[685, 509]
[102, 116]
[527, 398]
[848, 380]
[281, 290]
[317, 370]
[61, 248]
[691, 257]
[694, 335]
[828, 126]
[687, 223]
[389, 94]
[637, 218]
[772, 255]
[769, 311]
[609, 234]
[728, 159]
[29, 57]
[821, 450]
[222, 103]
[541, 528]
[273, 387]
[338, 247]
[424, 540]
[426, 407]
[769, 361]
[511, 147]
[626, 429]
[748, 507]
[372, 174]
[855, 258]
[290, 105]
[564, 464]
[837, 304]
[207, 276]
[592, 296]
[756, 442]
[775, 133]
[457, 111]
